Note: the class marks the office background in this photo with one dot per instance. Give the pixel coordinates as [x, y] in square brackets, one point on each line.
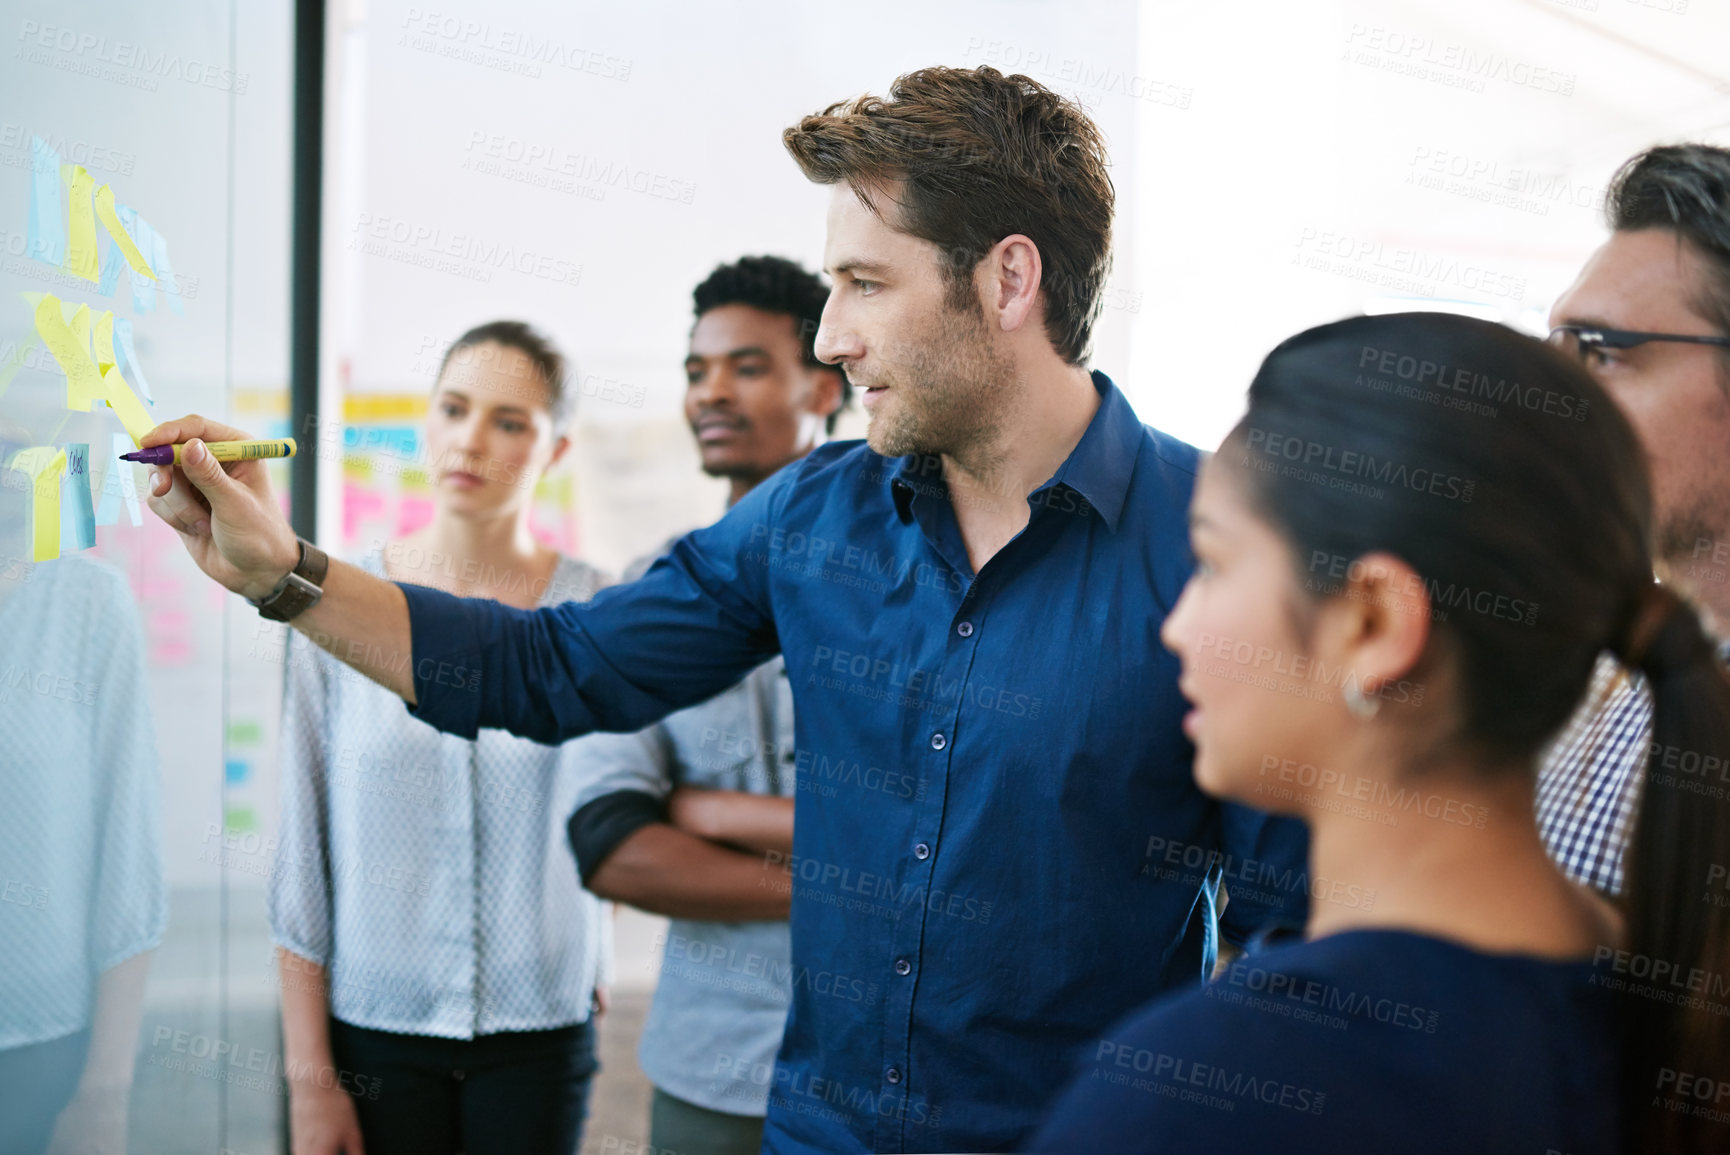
[1278, 163]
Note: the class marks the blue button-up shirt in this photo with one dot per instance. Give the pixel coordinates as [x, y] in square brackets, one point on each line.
[1003, 835]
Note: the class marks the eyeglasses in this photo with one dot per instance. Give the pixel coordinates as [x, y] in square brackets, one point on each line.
[1583, 340]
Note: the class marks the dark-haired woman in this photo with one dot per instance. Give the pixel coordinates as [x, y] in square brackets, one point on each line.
[1414, 593]
[437, 953]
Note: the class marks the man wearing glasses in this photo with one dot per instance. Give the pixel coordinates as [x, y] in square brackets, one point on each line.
[1649, 318]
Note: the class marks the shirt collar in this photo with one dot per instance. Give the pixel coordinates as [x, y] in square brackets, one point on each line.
[1098, 468]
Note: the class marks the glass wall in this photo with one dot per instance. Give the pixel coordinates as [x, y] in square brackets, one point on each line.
[144, 177]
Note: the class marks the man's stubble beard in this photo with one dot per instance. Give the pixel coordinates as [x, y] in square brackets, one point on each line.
[950, 387]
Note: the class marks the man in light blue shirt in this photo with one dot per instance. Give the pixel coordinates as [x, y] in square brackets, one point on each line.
[677, 818]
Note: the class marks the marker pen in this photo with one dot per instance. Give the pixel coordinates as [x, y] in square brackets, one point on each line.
[221, 450]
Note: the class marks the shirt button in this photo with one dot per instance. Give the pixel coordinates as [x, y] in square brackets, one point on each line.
[965, 629]
[458, 1074]
[893, 1074]
[921, 851]
[903, 967]
[938, 741]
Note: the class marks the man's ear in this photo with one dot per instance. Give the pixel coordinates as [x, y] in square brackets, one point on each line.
[1012, 275]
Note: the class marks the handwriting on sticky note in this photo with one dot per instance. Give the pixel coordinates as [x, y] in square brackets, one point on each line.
[77, 517]
[111, 221]
[81, 226]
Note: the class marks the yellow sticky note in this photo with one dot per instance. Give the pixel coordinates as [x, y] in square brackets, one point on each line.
[43, 464]
[111, 221]
[126, 404]
[83, 382]
[102, 339]
[81, 227]
[80, 326]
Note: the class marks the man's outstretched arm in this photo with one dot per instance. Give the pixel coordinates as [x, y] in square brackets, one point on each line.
[694, 625]
[230, 523]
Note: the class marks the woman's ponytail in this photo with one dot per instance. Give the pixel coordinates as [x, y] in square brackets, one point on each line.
[1678, 891]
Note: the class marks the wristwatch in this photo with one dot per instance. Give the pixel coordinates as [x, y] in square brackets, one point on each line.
[300, 588]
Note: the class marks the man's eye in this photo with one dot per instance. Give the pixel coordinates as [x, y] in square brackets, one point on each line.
[1203, 568]
[450, 410]
[512, 426]
[866, 288]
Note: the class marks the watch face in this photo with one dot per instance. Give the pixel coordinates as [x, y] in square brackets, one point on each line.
[296, 596]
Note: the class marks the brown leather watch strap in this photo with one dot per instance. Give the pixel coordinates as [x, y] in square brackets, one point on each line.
[300, 589]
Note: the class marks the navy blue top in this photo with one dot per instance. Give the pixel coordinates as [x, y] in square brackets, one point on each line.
[1369, 1040]
[998, 846]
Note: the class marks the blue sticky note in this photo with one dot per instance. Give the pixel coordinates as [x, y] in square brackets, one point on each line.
[236, 770]
[77, 520]
[165, 273]
[128, 360]
[143, 288]
[118, 487]
[113, 260]
[47, 240]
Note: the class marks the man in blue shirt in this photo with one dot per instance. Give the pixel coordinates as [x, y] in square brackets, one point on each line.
[968, 607]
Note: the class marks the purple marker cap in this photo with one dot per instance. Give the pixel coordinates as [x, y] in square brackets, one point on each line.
[156, 455]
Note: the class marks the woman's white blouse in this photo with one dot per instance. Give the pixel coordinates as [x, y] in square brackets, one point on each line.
[429, 874]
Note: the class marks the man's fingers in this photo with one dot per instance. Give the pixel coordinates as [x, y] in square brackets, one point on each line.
[201, 468]
[181, 504]
[183, 429]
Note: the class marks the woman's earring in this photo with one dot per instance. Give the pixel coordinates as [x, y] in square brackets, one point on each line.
[1361, 706]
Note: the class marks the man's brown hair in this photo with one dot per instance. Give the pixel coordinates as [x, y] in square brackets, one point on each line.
[980, 156]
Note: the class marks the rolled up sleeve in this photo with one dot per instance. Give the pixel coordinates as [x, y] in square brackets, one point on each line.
[697, 622]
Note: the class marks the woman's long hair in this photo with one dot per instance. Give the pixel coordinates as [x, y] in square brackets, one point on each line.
[1506, 477]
